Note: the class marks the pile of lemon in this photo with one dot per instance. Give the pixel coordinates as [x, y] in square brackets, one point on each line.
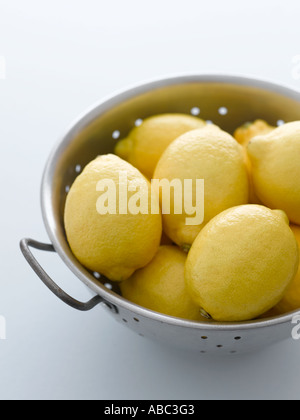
[240, 263]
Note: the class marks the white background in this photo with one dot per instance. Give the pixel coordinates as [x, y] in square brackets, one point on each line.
[61, 57]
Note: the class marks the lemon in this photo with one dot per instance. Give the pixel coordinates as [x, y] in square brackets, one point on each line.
[146, 143]
[247, 131]
[114, 245]
[276, 169]
[242, 262]
[160, 285]
[244, 135]
[291, 299]
[207, 154]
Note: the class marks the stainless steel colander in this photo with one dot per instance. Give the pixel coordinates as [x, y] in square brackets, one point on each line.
[228, 102]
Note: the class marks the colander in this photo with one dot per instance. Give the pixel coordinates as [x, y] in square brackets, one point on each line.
[227, 101]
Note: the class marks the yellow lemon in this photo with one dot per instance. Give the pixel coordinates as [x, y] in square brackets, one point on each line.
[246, 132]
[160, 285]
[276, 169]
[244, 135]
[207, 154]
[145, 144]
[291, 299]
[105, 239]
[242, 262]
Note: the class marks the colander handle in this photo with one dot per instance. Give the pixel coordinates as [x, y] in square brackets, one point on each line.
[25, 246]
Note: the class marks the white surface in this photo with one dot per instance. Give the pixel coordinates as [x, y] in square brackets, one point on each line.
[61, 57]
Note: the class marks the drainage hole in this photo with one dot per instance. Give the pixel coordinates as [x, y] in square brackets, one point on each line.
[78, 169]
[116, 135]
[223, 110]
[195, 111]
[138, 122]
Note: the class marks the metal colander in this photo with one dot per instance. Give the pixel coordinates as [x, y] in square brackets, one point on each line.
[226, 101]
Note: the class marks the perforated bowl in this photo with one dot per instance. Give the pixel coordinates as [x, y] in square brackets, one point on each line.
[226, 101]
